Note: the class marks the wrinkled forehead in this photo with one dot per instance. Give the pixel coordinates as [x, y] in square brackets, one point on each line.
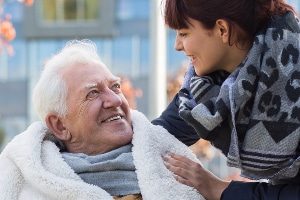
[83, 74]
[82, 67]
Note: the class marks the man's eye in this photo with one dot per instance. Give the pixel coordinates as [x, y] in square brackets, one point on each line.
[92, 93]
[182, 34]
[117, 86]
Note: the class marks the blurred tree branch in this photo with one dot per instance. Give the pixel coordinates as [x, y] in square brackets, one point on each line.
[7, 30]
[129, 91]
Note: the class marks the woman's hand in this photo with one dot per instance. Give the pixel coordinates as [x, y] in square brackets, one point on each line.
[193, 174]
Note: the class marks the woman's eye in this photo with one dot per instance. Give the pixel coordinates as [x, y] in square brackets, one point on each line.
[182, 34]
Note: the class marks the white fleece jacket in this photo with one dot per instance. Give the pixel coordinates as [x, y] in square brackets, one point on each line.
[32, 168]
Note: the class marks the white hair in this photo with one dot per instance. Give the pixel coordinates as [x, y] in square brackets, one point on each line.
[50, 93]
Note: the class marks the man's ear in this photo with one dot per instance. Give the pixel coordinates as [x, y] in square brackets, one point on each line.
[223, 29]
[57, 127]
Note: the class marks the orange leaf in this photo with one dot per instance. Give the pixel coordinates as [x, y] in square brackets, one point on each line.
[29, 2]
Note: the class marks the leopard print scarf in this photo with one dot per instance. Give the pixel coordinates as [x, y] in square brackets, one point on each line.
[253, 114]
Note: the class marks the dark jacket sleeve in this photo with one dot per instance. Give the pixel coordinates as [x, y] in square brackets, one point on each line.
[171, 121]
[260, 190]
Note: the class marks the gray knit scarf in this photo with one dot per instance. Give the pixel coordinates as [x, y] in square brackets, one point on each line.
[113, 171]
[253, 114]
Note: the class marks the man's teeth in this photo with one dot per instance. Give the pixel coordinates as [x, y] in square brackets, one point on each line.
[112, 118]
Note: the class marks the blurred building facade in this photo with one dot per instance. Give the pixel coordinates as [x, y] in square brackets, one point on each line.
[120, 28]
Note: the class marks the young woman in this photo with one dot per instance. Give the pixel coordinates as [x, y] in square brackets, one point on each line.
[241, 92]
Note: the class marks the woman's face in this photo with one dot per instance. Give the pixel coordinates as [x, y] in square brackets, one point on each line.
[206, 48]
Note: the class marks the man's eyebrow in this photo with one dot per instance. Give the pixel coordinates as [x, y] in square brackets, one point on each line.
[117, 79]
[90, 85]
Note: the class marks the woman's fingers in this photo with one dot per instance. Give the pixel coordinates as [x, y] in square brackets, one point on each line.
[183, 167]
[177, 160]
[183, 181]
[180, 166]
[193, 174]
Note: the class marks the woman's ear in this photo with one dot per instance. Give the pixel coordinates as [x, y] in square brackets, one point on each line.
[57, 127]
[223, 29]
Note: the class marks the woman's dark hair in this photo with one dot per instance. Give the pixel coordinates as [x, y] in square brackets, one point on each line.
[248, 15]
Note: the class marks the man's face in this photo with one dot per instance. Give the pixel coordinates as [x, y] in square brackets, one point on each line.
[98, 117]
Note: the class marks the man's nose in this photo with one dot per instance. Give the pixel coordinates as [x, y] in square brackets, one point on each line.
[111, 99]
[178, 44]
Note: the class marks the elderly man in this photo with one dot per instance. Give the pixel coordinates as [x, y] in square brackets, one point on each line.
[89, 144]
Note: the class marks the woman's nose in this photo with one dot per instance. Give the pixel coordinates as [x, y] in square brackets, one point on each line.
[178, 44]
